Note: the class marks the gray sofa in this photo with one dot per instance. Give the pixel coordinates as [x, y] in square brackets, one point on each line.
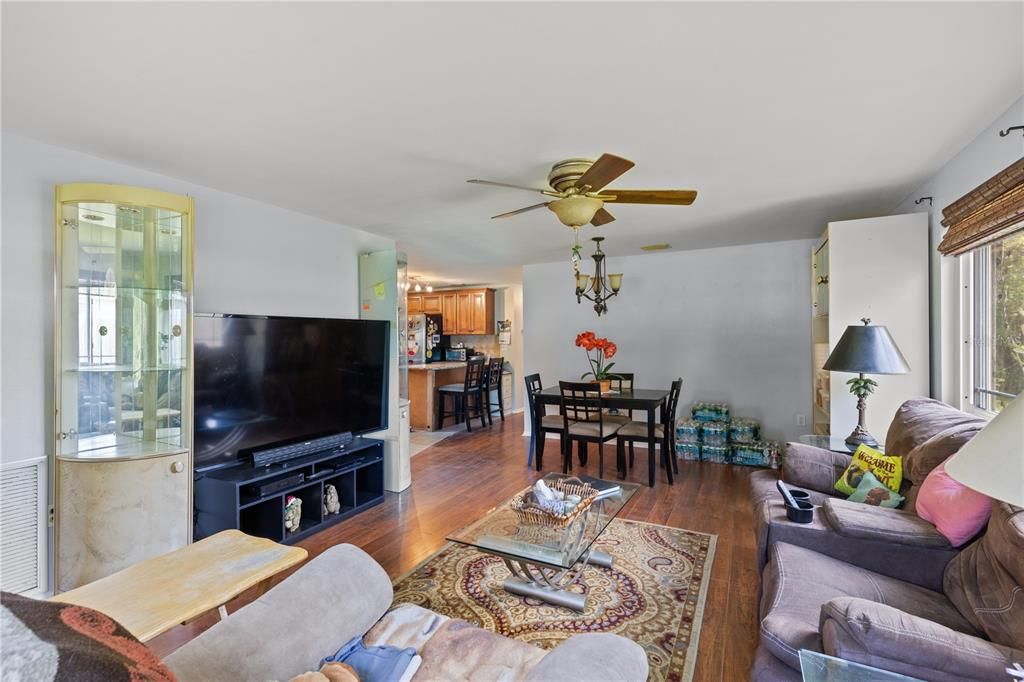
[343, 593]
[973, 629]
[893, 542]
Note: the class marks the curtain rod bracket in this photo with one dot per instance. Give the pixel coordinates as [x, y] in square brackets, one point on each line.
[1004, 133]
[922, 199]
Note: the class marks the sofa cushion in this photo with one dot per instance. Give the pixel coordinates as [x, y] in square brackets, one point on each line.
[856, 520]
[918, 420]
[986, 580]
[356, 588]
[798, 581]
[916, 564]
[48, 640]
[811, 468]
[923, 459]
[881, 636]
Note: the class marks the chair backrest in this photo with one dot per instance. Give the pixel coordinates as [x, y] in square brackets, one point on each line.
[581, 401]
[673, 401]
[474, 374]
[533, 385]
[623, 381]
[494, 370]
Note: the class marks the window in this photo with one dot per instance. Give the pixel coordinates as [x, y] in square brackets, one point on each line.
[995, 323]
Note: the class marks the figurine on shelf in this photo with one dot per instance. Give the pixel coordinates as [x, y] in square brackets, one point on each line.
[292, 513]
[331, 503]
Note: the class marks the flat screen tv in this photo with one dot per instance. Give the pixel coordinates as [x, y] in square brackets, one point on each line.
[263, 381]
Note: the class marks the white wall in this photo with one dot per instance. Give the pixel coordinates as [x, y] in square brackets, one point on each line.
[734, 322]
[250, 258]
[977, 162]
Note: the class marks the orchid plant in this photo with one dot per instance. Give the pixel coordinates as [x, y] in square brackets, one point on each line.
[603, 350]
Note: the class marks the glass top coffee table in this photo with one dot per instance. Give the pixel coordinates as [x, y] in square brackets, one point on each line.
[545, 560]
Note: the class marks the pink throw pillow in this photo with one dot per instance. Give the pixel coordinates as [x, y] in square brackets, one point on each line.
[957, 511]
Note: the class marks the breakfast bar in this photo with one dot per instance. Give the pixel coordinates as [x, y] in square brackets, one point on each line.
[424, 380]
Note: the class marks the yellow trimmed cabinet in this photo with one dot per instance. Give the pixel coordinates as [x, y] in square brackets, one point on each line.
[122, 378]
[463, 311]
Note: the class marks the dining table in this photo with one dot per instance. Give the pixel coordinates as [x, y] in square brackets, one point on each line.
[649, 400]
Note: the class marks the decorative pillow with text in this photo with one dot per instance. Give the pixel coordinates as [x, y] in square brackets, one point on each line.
[887, 468]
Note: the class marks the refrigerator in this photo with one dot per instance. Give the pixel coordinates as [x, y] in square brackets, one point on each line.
[425, 341]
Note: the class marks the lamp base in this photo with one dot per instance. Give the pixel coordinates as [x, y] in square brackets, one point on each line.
[860, 436]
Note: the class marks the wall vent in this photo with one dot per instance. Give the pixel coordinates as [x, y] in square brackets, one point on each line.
[23, 529]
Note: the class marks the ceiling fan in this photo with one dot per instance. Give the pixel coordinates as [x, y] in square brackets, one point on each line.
[578, 186]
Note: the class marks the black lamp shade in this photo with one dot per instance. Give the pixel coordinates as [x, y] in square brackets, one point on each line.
[867, 349]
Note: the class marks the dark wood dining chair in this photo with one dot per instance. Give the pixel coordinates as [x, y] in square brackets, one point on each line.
[466, 397]
[664, 434]
[622, 381]
[493, 384]
[583, 422]
[542, 423]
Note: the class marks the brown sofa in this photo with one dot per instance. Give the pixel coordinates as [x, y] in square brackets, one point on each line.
[893, 542]
[973, 629]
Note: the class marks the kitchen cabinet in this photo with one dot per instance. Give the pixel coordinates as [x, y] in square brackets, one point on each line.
[449, 305]
[464, 311]
[432, 304]
[481, 316]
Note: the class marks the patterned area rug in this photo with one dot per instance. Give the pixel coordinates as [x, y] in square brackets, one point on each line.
[654, 594]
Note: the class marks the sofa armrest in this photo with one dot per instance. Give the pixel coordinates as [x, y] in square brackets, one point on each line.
[334, 597]
[595, 656]
[865, 522]
[806, 466]
[878, 635]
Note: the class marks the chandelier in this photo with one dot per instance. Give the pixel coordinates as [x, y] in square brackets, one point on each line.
[600, 287]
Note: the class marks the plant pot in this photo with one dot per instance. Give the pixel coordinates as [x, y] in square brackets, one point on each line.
[606, 385]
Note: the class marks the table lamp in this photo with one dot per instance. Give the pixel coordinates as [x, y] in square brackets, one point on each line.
[865, 349]
[993, 461]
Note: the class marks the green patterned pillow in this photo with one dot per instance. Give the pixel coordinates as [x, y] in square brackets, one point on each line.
[872, 491]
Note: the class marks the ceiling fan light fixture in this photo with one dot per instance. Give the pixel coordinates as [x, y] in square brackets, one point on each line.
[575, 210]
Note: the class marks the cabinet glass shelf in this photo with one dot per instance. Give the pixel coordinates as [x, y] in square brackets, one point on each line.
[124, 322]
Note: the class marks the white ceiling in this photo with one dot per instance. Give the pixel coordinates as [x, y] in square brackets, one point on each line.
[374, 115]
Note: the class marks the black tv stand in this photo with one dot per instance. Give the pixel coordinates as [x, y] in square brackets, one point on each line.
[223, 500]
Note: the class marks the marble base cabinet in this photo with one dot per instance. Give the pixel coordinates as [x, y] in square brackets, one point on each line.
[122, 378]
[116, 513]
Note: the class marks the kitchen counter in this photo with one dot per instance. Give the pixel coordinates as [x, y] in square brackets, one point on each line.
[424, 380]
[436, 366]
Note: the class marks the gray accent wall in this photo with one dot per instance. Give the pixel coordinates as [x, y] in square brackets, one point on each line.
[734, 322]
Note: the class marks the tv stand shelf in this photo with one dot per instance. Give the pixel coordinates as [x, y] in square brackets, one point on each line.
[224, 498]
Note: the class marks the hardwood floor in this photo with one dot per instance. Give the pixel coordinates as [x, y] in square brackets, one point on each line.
[465, 475]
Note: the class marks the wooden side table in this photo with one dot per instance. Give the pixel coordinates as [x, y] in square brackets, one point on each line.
[154, 596]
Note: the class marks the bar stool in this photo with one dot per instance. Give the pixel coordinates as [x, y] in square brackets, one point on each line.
[471, 390]
[493, 384]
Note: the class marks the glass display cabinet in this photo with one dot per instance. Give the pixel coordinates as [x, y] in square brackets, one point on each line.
[123, 377]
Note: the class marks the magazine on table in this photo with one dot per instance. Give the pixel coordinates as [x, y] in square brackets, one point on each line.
[604, 488]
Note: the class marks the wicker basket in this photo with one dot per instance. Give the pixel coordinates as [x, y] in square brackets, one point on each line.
[528, 511]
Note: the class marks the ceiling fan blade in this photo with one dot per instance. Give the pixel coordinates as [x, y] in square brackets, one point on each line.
[602, 217]
[604, 170]
[505, 184]
[672, 197]
[520, 210]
